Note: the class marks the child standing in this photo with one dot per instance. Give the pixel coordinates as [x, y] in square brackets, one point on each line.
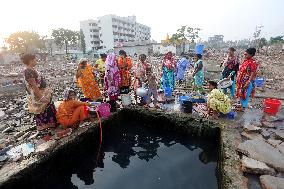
[152, 86]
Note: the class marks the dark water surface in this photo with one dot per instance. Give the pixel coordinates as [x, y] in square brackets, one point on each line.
[137, 157]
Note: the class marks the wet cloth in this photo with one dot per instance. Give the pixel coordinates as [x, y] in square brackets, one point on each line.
[112, 77]
[247, 69]
[168, 70]
[88, 83]
[199, 76]
[44, 111]
[71, 112]
[219, 102]
[124, 66]
[182, 65]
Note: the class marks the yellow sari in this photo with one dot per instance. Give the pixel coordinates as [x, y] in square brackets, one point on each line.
[86, 81]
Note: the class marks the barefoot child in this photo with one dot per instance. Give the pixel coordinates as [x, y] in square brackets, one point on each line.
[71, 111]
[152, 86]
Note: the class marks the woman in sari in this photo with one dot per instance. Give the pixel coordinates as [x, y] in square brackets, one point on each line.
[246, 76]
[124, 66]
[112, 80]
[71, 112]
[231, 64]
[198, 73]
[168, 71]
[39, 95]
[86, 80]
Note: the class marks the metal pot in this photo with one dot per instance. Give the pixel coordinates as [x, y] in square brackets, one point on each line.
[141, 91]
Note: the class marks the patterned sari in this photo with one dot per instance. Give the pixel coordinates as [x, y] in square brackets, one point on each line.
[168, 69]
[246, 86]
[112, 77]
[88, 83]
[124, 66]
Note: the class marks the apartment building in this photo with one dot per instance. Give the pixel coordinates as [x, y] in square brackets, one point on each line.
[91, 29]
[115, 31]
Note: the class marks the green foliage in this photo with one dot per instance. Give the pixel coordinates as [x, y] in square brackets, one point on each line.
[185, 34]
[82, 41]
[277, 39]
[24, 41]
[65, 37]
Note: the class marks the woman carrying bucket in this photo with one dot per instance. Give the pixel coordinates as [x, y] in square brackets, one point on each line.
[246, 76]
[198, 73]
[168, 72]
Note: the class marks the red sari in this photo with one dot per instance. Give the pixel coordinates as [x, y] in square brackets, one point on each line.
[248, 67]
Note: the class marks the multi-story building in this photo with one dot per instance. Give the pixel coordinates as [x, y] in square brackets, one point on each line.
[115, 30]
[91, 29]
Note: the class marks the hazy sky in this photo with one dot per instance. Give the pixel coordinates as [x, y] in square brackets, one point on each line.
[235, 19]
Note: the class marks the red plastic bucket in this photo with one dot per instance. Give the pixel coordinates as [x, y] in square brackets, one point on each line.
[271, 106]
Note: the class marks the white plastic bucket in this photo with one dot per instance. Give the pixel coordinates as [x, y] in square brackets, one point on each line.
[126, 99]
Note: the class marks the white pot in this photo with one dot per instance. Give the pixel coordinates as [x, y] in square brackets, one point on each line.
[142, 92]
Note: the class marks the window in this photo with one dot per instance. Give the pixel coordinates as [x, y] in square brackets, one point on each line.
[91, 36]
[91, 30]
[90, 24]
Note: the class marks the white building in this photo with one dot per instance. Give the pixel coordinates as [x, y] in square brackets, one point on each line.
[114, 31]
[90, 29]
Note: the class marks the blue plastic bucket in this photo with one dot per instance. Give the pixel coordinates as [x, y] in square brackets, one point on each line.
[199, 48]
[259, 82]
[183, 98]
[231, 115]
[168, 92]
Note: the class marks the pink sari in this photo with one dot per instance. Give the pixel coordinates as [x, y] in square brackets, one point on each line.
[112, 77]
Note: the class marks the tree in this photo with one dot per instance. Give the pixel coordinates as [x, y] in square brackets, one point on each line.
[184, 35]
[65, 37]
[25, 41]
[277, 39]
[82, 41]
[256, 36]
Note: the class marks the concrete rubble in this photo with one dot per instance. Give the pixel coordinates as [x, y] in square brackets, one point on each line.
[270, 182]
[261, 147]
[253, 166]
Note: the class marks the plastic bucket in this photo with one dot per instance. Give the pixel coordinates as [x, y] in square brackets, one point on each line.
[199, 48]
[271, 106]
[183, 98]
[168, 92]
[186, 106]
[259, 82]
[104, 110]
[126, 99]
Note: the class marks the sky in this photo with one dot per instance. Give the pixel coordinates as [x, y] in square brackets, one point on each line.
[235, 19]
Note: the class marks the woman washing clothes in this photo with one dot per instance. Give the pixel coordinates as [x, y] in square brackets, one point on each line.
[86, 80]
[124, 66]
[71, 112]
[140, 74]
[168, 71]
[198, 73]
[112, 80]
[231, 64]
[217, 101]
[38, 95]
[245, 79]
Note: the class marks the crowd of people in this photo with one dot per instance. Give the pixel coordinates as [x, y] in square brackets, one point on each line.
[113, 76]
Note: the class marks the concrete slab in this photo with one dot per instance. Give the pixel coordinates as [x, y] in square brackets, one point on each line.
[260, 150]
[270, 182]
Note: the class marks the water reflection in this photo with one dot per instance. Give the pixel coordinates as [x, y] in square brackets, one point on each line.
[137, 157]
